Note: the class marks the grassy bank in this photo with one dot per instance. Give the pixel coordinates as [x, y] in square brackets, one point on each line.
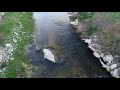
[106, 25]
[17, 28]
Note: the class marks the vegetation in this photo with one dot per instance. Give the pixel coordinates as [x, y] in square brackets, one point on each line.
[106, 25]
[92, 31]
[85, 15]
[18, 26]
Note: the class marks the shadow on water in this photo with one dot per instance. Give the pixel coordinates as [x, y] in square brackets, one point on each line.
[54, 31]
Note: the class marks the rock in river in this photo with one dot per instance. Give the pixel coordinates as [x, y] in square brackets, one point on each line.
[48, 55]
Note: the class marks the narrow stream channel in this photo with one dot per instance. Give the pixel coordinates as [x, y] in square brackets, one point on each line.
[55, 33]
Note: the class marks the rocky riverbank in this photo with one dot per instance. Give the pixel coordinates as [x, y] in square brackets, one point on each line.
[108, 60]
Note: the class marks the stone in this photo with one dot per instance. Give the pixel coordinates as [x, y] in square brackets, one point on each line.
[1, 71]
[98, 50]
[97, 55]
[109, 58]
[14, 40]
[4, 69]
[2, 14]
[8, 45]
[95, 36]
[104, 58]
[102, 55]
[113, 66]
[48, 55]
[93, 44]
[112, 72]
[89, 12]
[105, 66]
[6, 53]
[1, 57]
[116, 73]
[75, 23]
[91, 48]
[89, 41]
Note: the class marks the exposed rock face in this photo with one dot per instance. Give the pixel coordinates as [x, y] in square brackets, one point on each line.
[48, 55]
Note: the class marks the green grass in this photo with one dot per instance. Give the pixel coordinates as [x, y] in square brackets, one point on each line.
[88, 15]
[15, 68]
[85, 15]
[92, 31]
[7, 23]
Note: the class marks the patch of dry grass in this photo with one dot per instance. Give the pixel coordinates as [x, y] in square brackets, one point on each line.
[109, 34]
[108, 30]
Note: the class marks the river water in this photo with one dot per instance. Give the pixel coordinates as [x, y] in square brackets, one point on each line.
[55, 33]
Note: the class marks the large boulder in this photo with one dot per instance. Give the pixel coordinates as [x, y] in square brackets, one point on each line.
[88, 41]
[48, 55]
[108, 58]
[116, 73]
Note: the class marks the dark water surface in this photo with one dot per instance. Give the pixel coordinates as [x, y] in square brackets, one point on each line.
[55, 32]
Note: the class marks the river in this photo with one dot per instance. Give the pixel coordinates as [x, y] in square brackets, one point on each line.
[55, 32]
